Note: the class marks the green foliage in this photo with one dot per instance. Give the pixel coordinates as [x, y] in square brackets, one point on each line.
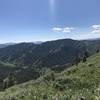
[9, 81]
[80, 82]
[49, 77]
[48, 54]
[30, 61]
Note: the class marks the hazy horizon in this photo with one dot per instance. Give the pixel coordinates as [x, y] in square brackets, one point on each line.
[39, 42]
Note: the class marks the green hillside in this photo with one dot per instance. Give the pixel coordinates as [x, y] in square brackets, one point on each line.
[80, 82]
[61, 52]
[21, 74]
[29, 61]
[5, 68]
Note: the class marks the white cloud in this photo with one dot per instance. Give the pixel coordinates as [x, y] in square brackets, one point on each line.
[68, 29]
[57, 29]
[96, 31]
[64, 30]
[96, 28]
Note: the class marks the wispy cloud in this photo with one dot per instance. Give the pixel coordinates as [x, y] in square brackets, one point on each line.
[68, 29]
[57, 29]
[96, 28]
[64, 30]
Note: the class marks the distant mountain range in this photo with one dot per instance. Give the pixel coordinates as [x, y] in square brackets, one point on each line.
[30, 59]
[48, 54]
[6, 44]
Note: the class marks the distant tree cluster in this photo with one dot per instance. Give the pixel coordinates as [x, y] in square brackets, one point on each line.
[97, 50]
[77, 59]
[9, 81]
[86, 55]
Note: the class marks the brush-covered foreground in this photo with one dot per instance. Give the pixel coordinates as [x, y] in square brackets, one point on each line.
[80, 82]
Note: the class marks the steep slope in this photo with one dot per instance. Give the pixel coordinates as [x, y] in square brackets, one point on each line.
[65, 51]
[5, 68]
[78, 82]
[21, 74]
[32, 60]
[3, 45]
[6, 44]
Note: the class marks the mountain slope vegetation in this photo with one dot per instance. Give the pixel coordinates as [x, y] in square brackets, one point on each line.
[79, 82]
[60, 51]
[29, 61]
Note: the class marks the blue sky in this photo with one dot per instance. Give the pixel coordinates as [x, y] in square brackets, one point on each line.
[42, 20]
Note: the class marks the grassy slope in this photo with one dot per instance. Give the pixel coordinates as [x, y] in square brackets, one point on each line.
[71, 84]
